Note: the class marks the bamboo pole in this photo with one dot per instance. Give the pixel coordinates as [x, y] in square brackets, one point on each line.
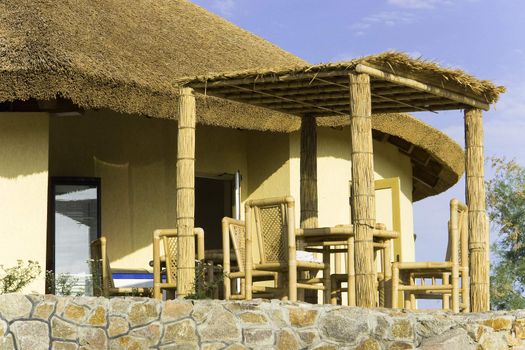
[186, 193]
[360, 68]
[308, 188]
[308, 169]
[475, 196]
[363, 196]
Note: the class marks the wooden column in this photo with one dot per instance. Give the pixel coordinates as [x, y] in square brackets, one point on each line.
[308, 195]
[308, 168]
[475, 197]
[362, 196]
[186, 193]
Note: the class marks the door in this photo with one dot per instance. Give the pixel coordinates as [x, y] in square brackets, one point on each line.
[74, 222]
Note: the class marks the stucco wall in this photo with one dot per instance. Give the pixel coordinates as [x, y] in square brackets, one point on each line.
[334, 176]
[23, 190]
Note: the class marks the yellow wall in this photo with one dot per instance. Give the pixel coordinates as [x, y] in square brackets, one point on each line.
[135, 158]
[23, 190]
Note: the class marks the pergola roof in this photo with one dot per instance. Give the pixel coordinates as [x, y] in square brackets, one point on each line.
[398, 84]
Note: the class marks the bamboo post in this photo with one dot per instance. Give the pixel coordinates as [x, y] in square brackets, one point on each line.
[308, 168]
[454, 227]
[292, 262]
[186, 193]
[308, 191]
[248, 263]
[226, 258]
[475, 197]
[363, 196]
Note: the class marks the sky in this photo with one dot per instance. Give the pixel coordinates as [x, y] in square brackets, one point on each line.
[486, 38]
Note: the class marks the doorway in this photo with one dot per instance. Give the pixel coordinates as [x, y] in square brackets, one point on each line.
[214, 199]
[74, 221]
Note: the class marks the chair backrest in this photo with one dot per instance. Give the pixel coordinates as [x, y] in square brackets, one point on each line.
[170, 243]
[235, 231]
[100, 268]
[457, 247]
[271, 219]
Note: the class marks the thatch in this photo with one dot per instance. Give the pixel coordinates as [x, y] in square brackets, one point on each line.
[119, 54]
[127, 56]
[392, 62]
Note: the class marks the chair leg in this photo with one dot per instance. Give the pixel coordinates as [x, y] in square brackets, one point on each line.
[326, 276]
[455, 289]
[395, 286]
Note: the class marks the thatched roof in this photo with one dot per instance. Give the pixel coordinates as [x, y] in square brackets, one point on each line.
[127, 56]
[399, 83]
[119, 54]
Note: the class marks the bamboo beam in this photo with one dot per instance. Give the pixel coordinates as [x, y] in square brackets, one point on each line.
[186, 193]
[475, 196]
[363, 196]
[360, 68]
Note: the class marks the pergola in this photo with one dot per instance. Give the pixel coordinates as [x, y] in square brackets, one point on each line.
[386, 83]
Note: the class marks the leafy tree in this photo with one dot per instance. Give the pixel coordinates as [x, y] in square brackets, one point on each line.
[506, 209]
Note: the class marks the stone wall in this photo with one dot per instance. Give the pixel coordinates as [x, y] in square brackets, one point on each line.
[43, 322]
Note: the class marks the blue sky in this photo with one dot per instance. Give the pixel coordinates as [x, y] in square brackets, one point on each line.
[483, 37]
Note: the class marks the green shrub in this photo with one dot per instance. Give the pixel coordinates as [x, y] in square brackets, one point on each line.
[14, 279]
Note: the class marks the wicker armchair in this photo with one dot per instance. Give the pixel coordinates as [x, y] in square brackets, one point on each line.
[169, 243]
[411, 277]
[102, 278]
[272, 223]
[234, 234]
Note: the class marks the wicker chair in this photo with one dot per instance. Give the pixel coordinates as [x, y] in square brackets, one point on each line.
[169, 242]
[234, 234]
[102, 278]
[411, 277]
[272, 223]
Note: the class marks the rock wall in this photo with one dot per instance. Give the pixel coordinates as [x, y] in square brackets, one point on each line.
[62, 323]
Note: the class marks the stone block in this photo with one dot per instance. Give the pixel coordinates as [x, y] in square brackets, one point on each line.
[219, 325]
[402, 329]
[98, 317]
[499, 323]
[343, 325]
[286, 340]
[128, 343]
[14, 306]
[92, 338]
[150, 332]
[7, 343]
[31, 335]
[117, 326]
[63, 330]
[62, 345]
[454, 339]
[299, 317]
[258, 337]
[253, 318]
[174, 310]
[143, 313]
[75, 313]
[44, 310]
[369, 344]
[308, 336]
[180, 332]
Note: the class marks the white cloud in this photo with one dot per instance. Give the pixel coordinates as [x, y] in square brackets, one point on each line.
[419, 4]
[385, 18]
[225, 7]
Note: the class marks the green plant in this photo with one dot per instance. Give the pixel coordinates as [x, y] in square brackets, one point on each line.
[506, 208]
[205, 287]
[61, 284]
[14, 279]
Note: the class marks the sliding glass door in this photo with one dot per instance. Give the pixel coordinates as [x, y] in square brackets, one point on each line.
[74, 223]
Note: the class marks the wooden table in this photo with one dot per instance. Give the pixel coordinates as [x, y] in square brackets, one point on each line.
[340, 239]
